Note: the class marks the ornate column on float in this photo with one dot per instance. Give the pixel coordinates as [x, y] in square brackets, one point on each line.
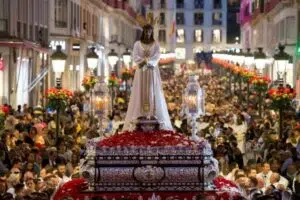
[193, 103]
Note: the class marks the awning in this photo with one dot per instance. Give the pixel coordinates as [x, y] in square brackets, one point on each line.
[23, 43]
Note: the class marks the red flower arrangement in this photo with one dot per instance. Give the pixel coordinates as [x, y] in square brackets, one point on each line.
[127, 74]
[228, 189]
[54, 93]
[260, 83]
[281, 97]
[89, 82]
[154, 139]
[113, 80]
[58, 98]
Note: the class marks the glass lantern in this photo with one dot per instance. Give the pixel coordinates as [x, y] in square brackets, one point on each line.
[101, 102]
[127, 58]
[92, 59]
[58, 64]
[281, 61]
[260, 60]
[112, 58]
[193, 102]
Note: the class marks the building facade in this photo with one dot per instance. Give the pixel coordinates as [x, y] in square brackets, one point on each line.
[268, 23]
[79, 25]
[30, 30]
[200, 26]
[23, 51]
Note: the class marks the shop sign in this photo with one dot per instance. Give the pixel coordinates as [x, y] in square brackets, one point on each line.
[76, 47]
[54, 43]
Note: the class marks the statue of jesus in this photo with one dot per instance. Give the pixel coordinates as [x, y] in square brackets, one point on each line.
[147, 98]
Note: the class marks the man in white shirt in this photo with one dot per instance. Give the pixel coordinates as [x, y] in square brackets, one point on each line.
[266, 173]
[278, 181]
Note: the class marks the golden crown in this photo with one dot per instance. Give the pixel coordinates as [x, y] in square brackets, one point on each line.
[149, 19]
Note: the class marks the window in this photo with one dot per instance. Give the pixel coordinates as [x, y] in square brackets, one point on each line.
[199, 4]
[162, 18]
[246, 11]
[198, 18]
[291, 28]
[162, 35]
[61, 13]
[180, 35]
[180, 18]
[217, 4]
[180, 53]
[162, 4]
[282, 30]
[216, 36]
[198, 35]
[4, 4]
[180, 4]
[217, 18]
[151, 4]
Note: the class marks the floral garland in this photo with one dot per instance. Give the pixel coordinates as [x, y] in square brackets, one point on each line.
[113, 80]
[2, 118]
[153, 139]
[127, 74]
[281, 97]
[58, 98]
[260, 83]
[247, 75]
[89, 82]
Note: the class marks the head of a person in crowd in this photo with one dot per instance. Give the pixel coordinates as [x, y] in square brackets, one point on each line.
[239, 174]
[274, 164]
[52, 153]
[31, 158]
[252, 172]
[274, 178]
[14, 177]
[17, 163]
[3, 183]
[251, 163]
[19, 108]
[30, 184]
[266, 168]
[61, 170]
[253, 183]
[4, 136]
[19, 190]
[291, 170]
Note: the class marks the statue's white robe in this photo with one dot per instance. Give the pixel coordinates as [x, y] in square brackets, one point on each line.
[147, 98]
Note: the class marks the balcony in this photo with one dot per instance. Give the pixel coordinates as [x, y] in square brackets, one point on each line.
[122, 5]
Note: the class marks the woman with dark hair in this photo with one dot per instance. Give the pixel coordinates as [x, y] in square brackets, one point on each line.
[147, 98]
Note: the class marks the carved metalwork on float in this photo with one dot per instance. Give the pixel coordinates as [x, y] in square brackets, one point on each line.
[152, 169]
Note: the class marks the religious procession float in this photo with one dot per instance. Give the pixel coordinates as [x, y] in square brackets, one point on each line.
[149, 162]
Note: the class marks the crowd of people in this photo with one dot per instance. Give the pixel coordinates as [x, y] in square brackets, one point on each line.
[34, 162]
